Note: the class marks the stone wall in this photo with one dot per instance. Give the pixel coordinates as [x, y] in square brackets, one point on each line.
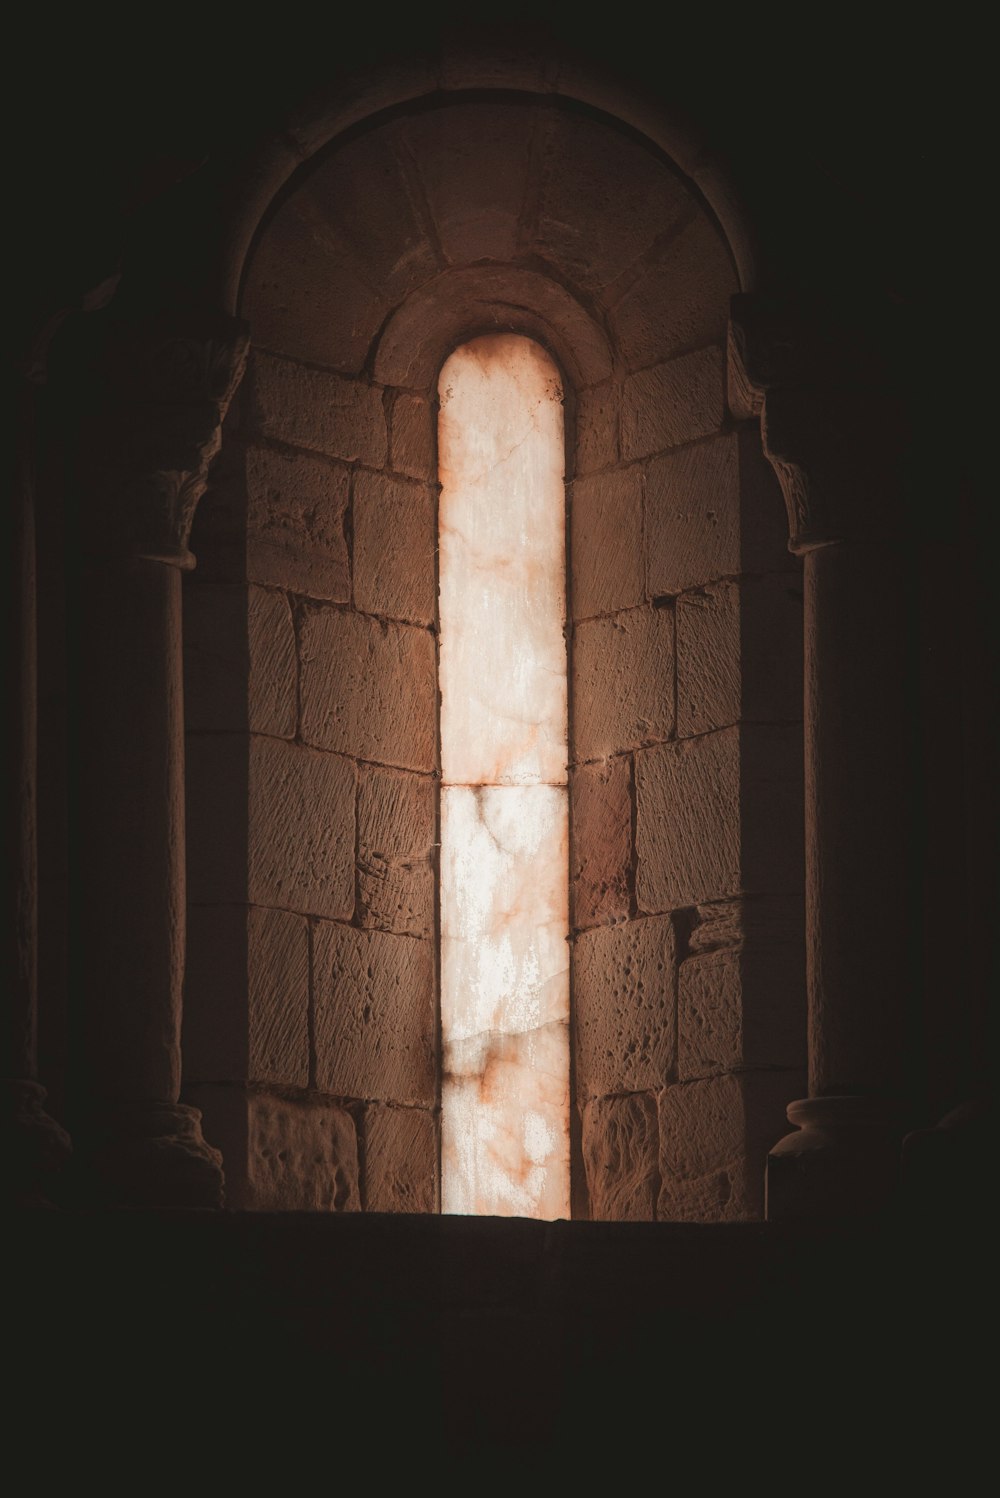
[310, 1014]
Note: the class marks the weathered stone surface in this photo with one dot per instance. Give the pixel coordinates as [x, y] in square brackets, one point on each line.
[368, 688]
[312, 409]
[473, 160]
[412, 442]
[714, 1139]
[672, 403]
[597, 422]
[375, 1015]
[395, 538]
[693, 516]
[604, 201]
[682, 299]
[301, 842]
[361, 189]
[623, 682]
[620, 1156]
[271, 698]
[302, 1156]
[306, 293]
[295, 523]
[743, 1003]
[601, 844]
[739, 654]
[278, 996]
[624, 1007]
[401, 1160]
[246, 996]
[606, 543]
[688, 821]
[397, 821]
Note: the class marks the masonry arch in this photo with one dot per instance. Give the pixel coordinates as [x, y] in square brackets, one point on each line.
[420, 218]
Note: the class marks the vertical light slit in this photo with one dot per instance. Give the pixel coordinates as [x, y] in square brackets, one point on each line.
[504, 799]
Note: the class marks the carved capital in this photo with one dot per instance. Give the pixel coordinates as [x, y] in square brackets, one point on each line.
[166, 389]
[832, 432]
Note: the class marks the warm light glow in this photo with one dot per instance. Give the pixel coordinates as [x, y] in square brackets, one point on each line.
[504, 801]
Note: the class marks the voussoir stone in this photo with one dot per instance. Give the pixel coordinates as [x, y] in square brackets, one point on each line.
[620, 1156]
[401, 1159]
[682, 299]
[624, 1007]
[601, 814]
[623, 682]
[375, 1015]
[369, 688]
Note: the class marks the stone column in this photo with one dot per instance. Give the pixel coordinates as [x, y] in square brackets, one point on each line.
[35, 1148]
[835, 442]
[147, 453]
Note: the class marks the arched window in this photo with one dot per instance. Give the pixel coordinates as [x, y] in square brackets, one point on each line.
[504, 891]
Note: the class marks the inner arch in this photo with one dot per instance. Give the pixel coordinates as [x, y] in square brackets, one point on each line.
[504, 798]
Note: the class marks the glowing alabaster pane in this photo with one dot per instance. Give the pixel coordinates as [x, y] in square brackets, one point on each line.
[502, 565]
[504, 805]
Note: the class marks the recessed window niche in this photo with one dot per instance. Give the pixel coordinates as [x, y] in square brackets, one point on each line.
[504, 798]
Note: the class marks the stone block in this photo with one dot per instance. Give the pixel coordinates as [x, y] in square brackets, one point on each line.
[362, 190]
[603, 202]
[624, 981]
[401, 1160]
[278, 997]
[739, 654]
[620, 1156]
[688, 821]
[606, 543]
[598, 414]
[397, 830]
[743, 1004]
[302, 1156]
[601, 844]
[413, 444]
[672, 403]
[246, 996]
[719, 814]
[301, 820]
[693, 516]
[681, 301]
[273, 689]
[714, 1139]
[369, 688]
[623, 682]
[376, 1019]
[295, 523]
[473, 162]
[306, 293]
[323, 412]
[395, 541]
[764, 524]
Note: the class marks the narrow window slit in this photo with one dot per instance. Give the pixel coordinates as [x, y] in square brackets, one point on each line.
[504, 796]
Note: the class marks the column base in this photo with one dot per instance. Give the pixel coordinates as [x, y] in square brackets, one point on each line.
[34, 1150]
[152, 1156]
[842, 1161]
